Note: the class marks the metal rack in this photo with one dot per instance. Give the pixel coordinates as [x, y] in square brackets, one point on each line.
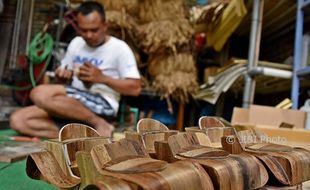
[303, 7]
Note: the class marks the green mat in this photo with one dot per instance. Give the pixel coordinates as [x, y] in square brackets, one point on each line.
[8, 132]
[13, 176]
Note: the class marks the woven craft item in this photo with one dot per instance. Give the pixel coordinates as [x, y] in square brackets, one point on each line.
[227, 171]
[290, 166]
[150, 131]
[80, 159]
[127, 160]
[57, 163]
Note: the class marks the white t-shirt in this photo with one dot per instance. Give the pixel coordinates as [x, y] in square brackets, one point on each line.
[114, 58]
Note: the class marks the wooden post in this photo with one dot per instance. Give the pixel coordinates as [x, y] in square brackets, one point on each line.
[180, 117]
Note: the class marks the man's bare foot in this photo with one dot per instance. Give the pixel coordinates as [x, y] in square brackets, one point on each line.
[105, 130]
[102, 126]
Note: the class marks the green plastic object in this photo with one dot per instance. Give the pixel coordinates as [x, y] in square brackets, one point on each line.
[135, 111]
[122, 111]
[40, 50]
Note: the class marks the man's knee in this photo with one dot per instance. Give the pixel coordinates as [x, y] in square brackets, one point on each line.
[38, 93]
[16, 121]
[41, 95]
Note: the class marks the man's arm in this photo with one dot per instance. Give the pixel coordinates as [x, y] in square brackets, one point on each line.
[90, 73]
[130, 87]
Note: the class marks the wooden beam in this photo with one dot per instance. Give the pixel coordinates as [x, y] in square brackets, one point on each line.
[180, 117]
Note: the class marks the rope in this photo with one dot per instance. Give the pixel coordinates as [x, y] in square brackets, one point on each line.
[40, 49]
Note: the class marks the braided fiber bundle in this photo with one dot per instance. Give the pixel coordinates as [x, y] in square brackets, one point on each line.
[177, 85]
[174, 75]
[122, 25]
[120, 15]
[121, 19]
[169, 63]
[154, 10]
[157, 36]
[130, 6]
[158, 27]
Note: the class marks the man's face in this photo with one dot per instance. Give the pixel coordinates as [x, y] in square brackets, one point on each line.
[92, 28]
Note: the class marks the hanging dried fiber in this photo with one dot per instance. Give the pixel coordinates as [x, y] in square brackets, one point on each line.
[179, 85]
[131, 6]
[155, 10]
[157, 36]
[122, 22]
[121, 17]
[174, 75]
[169, 63]
[161, 29]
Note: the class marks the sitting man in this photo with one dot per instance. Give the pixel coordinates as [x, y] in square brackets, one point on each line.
[101, 68]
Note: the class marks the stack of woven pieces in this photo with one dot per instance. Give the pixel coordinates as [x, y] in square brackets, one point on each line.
[80, 159]
[209, 157]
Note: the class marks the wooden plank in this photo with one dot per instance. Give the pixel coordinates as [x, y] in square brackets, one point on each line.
[180, 117]
[13, 151]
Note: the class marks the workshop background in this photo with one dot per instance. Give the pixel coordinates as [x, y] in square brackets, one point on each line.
[177, 78]
[246, 61]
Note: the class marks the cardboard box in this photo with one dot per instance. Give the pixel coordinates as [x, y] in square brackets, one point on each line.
[268, 116]
[268, 119]
[290, 137]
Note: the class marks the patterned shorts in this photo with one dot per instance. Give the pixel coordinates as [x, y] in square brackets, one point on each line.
[94, 102]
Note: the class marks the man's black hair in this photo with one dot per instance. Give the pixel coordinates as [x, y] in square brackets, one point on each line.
[91, 6]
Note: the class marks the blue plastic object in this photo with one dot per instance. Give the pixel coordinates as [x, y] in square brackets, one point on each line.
[165, 117]
[202, 2]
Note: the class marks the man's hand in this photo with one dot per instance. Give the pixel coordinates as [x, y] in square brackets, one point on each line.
[90, 73]
[63, 73]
